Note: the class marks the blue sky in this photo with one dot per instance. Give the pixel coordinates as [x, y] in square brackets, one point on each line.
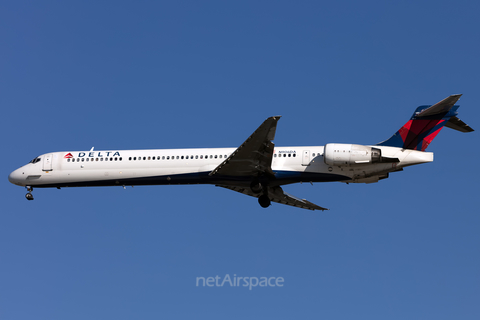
[149, 74]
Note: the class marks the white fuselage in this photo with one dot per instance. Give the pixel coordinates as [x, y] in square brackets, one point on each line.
[192, 166]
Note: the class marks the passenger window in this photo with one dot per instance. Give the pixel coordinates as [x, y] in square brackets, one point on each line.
[116, 158]
[96, 159]
[182, 157]
[289, 155]
[144, 158]
[101, 159]
[294, 155]
[148, 158]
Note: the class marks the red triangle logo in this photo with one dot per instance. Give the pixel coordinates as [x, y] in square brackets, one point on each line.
[68, 156]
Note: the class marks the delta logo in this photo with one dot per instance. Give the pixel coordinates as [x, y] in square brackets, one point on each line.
[92, 154]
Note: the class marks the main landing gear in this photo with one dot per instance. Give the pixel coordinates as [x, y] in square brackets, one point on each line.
[264, 201]
[258, 187]
[29, 195]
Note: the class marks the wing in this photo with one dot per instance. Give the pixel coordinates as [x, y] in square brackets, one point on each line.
[254, 156]
[277, 194]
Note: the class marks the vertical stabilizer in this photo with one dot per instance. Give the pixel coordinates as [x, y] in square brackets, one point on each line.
[426, 123]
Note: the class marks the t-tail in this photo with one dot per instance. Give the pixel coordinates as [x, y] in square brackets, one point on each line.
[426, 123]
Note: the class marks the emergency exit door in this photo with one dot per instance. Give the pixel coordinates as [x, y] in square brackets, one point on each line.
[306, 158]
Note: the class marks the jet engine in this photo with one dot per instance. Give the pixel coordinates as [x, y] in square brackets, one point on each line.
[339, 154]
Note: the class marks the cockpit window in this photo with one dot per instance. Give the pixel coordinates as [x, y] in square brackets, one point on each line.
[35, 160]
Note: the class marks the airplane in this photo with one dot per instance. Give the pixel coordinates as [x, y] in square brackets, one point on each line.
[256, 168]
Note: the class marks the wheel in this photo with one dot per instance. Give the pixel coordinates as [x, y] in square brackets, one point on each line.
[29, 196]
[264, 201]
[256, 186]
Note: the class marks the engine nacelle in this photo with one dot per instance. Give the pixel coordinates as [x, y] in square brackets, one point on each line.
[339, 154]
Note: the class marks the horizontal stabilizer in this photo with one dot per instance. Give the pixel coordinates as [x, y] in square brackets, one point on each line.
[440, 107]
[457, 124]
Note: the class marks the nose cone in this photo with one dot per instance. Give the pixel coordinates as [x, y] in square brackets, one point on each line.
[17, 177]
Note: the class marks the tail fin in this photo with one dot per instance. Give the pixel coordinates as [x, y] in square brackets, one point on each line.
[426, 123]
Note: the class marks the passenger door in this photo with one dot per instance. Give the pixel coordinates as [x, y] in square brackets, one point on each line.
[47, 162]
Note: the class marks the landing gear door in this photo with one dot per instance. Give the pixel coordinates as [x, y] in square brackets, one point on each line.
[47, 162]
[305, 157]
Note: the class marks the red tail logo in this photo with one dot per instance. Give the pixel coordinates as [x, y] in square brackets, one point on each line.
[68, 156]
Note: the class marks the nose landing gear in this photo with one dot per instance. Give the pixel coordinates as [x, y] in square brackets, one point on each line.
[29, 195]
